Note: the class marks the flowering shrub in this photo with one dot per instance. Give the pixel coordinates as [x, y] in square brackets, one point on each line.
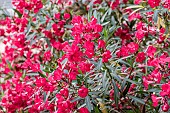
[86, 56]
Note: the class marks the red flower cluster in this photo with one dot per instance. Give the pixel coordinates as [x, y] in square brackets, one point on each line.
[60, 62]
[165, 95]
[154, 3]
[128, 49]
[22, 5]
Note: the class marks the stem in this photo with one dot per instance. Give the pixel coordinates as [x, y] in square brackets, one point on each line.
[133, 108]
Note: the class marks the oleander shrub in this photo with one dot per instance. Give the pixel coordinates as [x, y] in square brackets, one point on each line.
[85, 56]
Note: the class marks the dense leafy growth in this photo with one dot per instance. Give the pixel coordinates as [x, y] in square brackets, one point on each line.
[85, 56]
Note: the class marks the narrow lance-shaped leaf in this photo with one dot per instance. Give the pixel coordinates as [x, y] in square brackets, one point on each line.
[137, 99]
[116, 92]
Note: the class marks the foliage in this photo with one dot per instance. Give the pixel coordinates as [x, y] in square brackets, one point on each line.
[86, 56]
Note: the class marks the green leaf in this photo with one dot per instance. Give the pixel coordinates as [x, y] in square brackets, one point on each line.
[30, 36]
[9, 64]
[32, 74]
[105, 32]
[113, 22]
[6, 13]
[90, 12]
[47, 70]
[28, 30]
[46, 95]
[154, 90]
[44, 1]
[136, 10]
[24, 74]
[96, 110]
[105, 23]
[76, 99]
[131, 81]
[102, 19]
[134, 6]
[79, 79]
[88, 103]
[137, 99]
[42, 75]
[68, 26]
[99, 64]
[18, 13]
[155, 15]
[104, 79]
[64, 62]
[116, 92]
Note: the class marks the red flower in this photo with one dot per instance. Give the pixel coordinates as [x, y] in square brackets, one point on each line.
[97, 1]
[48, 34]
[85, 67]
[98, 28]
[134, 16]
[137, 1]
[146, 82]
[166, 4]
[64, 92]
[106, 56]
[89, 46]
[140, 57]
[2, 32]
[83, 92]
[66, 16]
[139, 34]
[84, 110]
[133, 47]
[47, 55]
[151, 51]
[123, 33]
[165, 90]
[57, 45]
[155, 100]
[40, 82]
[165, 107]
[125, 1]
[122, 52]
[114, 4]
[77, 20]
[57, 16]
[57, 74]
[74, 53]
[154, 3]
[101, 44]
[132, 87]
[58, 28]
[111, 94]
[21, 5]
[73, 75]
[35, 67]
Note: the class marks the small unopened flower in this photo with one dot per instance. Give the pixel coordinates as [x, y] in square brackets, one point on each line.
[165, 107]
[66, 16]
